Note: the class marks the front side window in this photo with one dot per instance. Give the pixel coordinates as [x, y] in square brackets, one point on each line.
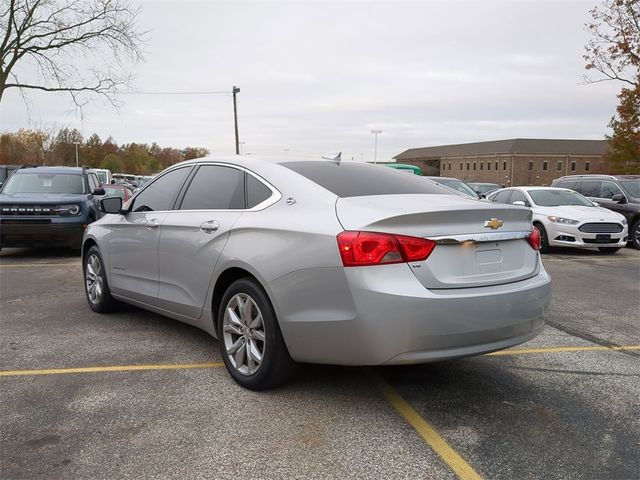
[215, 187]
[518, 196]
[608, 190]
[502, 197]
[590, 188]
[161, 194]
[632, 187]
[45, 183]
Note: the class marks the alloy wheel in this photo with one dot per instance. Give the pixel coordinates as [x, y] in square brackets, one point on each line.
[243, 334]
[93, 279]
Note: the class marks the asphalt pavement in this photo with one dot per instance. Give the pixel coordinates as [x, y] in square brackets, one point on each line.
[149, 398]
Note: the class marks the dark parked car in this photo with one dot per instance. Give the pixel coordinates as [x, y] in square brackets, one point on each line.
[484, 188]
[620, 193]
[48, 206]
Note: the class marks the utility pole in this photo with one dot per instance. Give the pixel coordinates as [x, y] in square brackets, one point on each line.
[236, 90]
[375, 155]
[76, 144]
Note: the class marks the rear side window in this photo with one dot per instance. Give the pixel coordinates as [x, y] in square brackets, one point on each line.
[161, 194]
[347, 179]
[215, 187]
[257, 192]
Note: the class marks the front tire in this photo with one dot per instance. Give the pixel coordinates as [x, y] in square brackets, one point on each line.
[544, 239]
[96, 286]
[608, 249]
[250, 339]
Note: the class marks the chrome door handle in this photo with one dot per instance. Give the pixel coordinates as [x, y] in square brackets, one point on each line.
[152, 223]
[210, 226]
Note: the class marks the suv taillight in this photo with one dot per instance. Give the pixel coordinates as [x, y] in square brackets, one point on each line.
[534, 239]
[371, 248]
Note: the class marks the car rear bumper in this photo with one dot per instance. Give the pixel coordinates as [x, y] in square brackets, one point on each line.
[31, 233]
[383, 315]
[570, 236]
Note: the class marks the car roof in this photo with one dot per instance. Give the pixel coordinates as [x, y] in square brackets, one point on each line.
[430, 177]
[599, 176]
[483, 183]
[533, 187]
[67, 170]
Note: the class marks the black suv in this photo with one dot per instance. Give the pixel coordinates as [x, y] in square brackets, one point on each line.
[48, 206]
[620, 193]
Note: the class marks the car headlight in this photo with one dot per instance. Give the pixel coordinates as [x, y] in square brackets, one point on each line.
[623, 221]
[68, 209]
[565, 221]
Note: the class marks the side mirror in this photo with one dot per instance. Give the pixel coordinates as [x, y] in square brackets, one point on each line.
[99, 192]
[111, 205]
[519, 202]
[618, 197]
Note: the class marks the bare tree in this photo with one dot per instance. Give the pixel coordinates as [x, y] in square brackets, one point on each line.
[614, 49]
[82, 47]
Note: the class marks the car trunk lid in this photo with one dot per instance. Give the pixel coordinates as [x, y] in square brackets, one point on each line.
[478, 243]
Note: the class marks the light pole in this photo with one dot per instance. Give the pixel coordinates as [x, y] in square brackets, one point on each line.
[375, 154]
[76, 144]
[235, 91]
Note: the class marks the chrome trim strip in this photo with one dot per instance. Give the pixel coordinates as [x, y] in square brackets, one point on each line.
[479, 237]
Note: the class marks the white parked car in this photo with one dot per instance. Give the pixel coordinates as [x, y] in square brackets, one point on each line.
[565, 218]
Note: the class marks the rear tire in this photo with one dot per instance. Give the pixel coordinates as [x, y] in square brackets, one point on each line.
[634, 235]
[96, 287]
[608, 249]
[250, 339]
[544, 240]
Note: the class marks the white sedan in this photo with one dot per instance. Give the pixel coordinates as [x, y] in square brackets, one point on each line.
[565, 218]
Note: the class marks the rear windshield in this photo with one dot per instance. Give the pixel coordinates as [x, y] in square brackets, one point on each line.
[44, 183]
[350, 179]
[459, 186]
[632, 186]
[555, 198]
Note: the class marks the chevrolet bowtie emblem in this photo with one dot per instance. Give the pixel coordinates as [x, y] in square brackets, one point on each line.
[493, 224]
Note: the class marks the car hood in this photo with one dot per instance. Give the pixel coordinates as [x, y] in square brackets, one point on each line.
[25, 198]
[579, 212]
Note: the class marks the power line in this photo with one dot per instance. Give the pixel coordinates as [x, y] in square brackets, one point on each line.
[174, 93]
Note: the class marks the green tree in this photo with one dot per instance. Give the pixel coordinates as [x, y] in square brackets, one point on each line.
[112, 162]
[614, 53]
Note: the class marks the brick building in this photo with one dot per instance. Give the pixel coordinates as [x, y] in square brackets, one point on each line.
[519, 161]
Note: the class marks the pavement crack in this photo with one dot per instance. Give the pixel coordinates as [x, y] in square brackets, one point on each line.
[590, 338]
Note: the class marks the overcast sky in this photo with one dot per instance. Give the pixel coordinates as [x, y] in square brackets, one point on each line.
[319, 76]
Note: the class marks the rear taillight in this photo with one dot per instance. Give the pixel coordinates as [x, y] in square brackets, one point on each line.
[371, 248]
[534, 239]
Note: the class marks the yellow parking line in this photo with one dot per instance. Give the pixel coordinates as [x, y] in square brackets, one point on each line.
[429, 434]
[114, 368]
[10, 265]
[591, 348]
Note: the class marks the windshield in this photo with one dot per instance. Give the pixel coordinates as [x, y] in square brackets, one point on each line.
[556, 198]
[44, 183]
[632, 186]
[460, 186]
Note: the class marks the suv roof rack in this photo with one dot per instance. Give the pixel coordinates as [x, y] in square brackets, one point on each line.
[591, 175]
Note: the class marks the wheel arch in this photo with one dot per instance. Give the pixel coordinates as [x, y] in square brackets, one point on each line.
[224, 280]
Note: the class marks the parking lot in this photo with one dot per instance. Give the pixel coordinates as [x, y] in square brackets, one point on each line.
[136, 395]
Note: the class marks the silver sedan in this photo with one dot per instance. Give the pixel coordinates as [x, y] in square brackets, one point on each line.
[287, 261]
